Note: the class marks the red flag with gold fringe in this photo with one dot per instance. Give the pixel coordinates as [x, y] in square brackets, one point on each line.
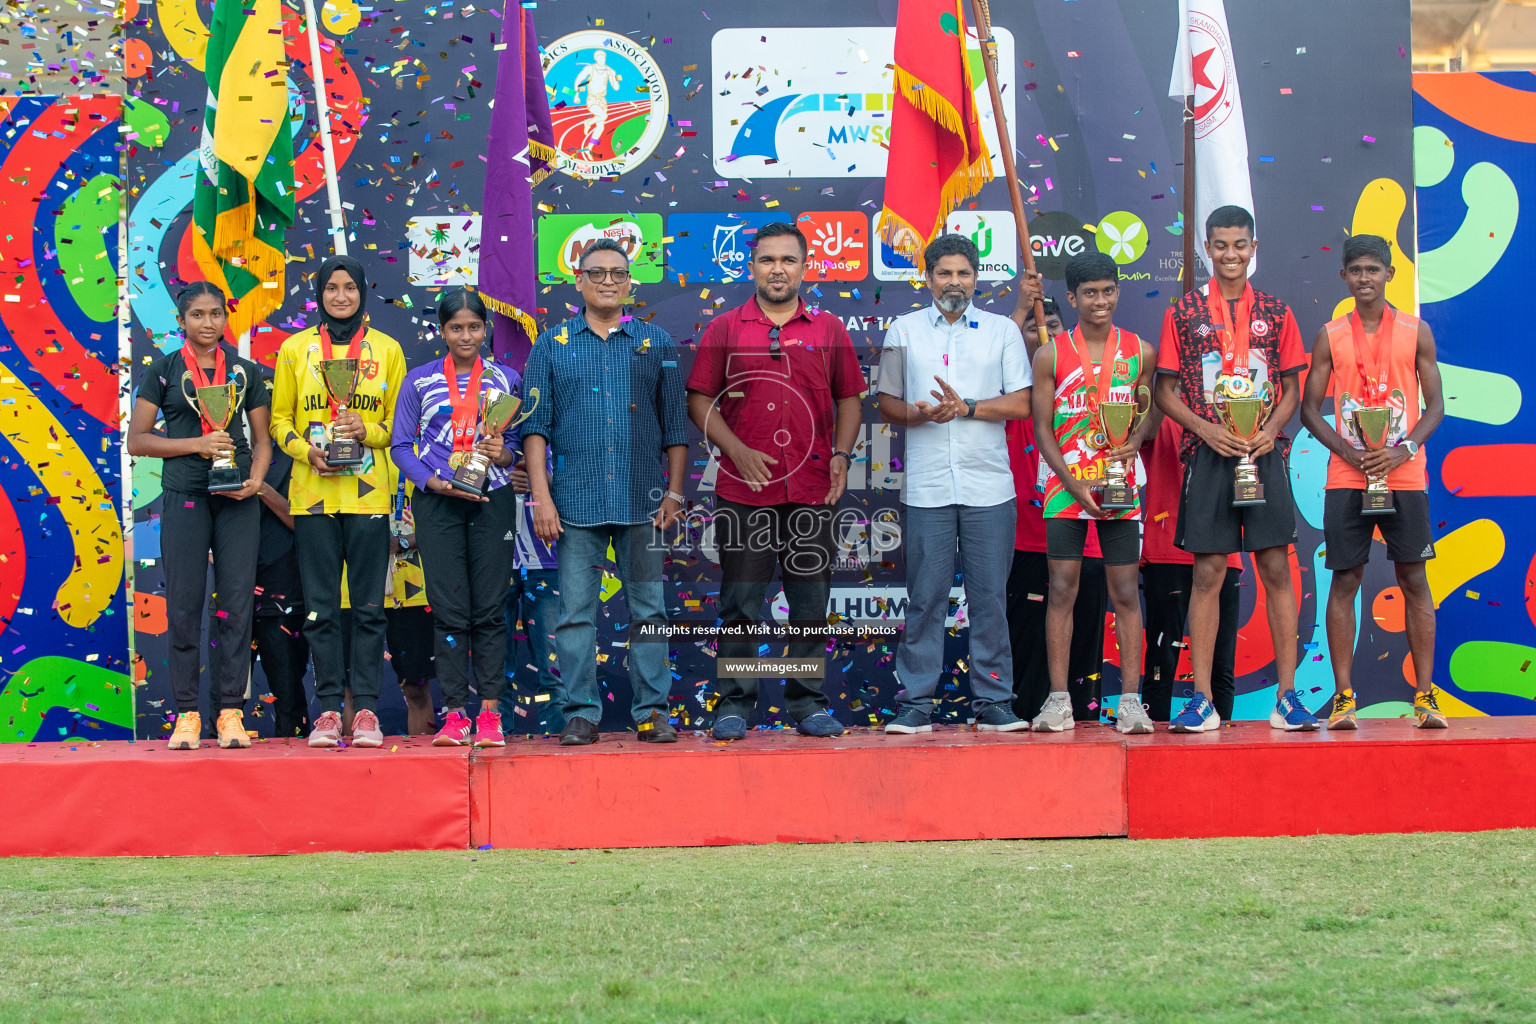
[937, 158]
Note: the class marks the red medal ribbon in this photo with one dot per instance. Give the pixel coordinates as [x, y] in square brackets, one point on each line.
[1233, 338]
[354, 351]
[200, 379]
[1097, 381]
[466, 406]
[1375, 374]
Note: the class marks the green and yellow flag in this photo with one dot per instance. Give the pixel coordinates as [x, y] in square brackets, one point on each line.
[244, 199]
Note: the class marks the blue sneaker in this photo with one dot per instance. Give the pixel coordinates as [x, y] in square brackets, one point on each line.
[819, 724]
[908, 722]
[1290, 715]
[999, 718]
[730, 727]
[1199, 715]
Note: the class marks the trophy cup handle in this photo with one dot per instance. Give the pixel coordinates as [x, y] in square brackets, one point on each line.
[1143, 406]
[534, 393]
[1268, 397]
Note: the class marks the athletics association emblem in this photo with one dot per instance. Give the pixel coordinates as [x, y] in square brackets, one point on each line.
[608, 103]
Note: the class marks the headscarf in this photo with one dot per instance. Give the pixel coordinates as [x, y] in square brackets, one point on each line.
[341, 331]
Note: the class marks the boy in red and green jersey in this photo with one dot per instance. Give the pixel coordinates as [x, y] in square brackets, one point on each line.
[1093, 363]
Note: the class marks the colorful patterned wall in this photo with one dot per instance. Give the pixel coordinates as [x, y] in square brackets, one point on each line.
[63, 614]
[1474, 162]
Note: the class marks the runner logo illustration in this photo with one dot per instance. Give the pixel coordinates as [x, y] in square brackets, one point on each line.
[608, 102]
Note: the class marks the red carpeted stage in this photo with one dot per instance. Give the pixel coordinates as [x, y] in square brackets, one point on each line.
[122, 798]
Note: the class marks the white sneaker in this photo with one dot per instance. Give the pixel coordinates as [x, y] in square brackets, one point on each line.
[1131, 717]
[1056, 715]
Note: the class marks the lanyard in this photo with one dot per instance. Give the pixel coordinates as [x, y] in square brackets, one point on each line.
[200, 379]
[1234, 337]
[1375, 374]
[465, 406]
[1097, 380]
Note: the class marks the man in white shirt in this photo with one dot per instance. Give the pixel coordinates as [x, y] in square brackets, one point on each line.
[958, 487]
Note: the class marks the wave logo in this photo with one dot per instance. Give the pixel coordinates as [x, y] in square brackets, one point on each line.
[711, 246]
[1122, 237]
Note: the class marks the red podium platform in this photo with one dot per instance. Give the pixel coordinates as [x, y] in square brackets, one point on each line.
[1245, 780]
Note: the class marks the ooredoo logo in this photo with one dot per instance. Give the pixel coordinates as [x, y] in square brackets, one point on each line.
[837, 245]
[1122, 236]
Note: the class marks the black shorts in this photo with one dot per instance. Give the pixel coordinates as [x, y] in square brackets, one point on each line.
[1347, 531]
[1208, 522]
[1119, 539]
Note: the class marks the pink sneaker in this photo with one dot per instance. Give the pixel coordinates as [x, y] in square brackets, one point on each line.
[326, 731]
[455, 731]
[488, 730]
[366, 731]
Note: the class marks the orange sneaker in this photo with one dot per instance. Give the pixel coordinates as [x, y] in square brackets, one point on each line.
[231, 726]
[188, 732]
[1426, 711]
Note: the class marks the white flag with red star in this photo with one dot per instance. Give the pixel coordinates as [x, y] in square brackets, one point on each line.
[1204, 67]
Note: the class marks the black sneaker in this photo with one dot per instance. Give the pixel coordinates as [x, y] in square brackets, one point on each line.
[908, 722]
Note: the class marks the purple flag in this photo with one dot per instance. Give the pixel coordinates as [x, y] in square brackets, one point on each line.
[520, 153]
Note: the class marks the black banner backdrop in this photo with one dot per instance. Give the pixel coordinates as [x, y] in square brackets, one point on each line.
[716, 121]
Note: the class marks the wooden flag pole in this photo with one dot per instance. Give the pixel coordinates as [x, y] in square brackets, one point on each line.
[1010, 171]
[323, 116]
[1188, 271]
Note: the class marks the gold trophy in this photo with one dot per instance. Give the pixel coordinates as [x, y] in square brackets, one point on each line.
[219, 404]
[498, 411]
[1373, 426]
[339, 377]
[1117, 421]
[1242, 408]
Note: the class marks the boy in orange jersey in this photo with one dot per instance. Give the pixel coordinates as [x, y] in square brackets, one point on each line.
[1380, 360]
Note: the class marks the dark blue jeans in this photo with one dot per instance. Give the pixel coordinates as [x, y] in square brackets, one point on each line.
[533, 610]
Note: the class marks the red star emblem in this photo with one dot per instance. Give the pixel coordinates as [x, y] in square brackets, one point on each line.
[1199, 65]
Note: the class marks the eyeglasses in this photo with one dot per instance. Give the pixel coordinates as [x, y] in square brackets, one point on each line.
[599, 274]
[773, 343]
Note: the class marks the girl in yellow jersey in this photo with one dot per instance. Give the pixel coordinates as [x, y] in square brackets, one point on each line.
[341, 515]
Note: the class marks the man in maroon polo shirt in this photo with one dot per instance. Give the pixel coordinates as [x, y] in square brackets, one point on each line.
[775, 388]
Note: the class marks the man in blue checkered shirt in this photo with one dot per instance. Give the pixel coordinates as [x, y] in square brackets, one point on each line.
[611, 406]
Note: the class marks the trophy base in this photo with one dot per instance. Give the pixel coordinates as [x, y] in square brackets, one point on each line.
[1117, 497]
[225, 478]
[1377, 503]
[1247, 494]
[343, 453]
[470, 479]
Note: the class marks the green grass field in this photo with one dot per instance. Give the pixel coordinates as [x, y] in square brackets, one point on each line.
[1376, 928]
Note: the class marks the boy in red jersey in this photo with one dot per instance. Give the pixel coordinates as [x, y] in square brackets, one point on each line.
[1230, 339]
[1382, 358]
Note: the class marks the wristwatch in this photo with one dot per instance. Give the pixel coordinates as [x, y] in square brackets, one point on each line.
[845, 455]
[970, 405]
[1412, 446]
[677, 497]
